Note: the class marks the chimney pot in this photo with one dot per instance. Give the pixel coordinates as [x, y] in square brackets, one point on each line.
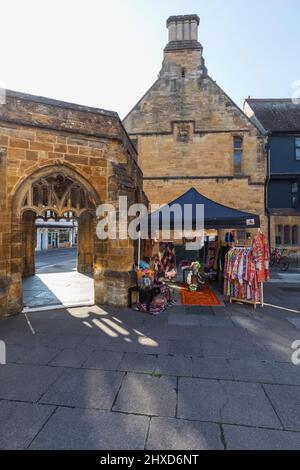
[184, 29]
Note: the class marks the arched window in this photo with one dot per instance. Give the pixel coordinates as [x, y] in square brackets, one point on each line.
[295, 235]
[287, 235]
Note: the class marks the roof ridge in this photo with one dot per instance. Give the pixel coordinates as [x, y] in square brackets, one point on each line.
[269, 99]
[59, 103]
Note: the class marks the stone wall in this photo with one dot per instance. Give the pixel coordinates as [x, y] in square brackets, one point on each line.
[284, 220]
[39, 137]
[238, 194]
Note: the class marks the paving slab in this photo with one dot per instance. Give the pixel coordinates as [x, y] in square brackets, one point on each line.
[74, 429]
[54, 288]
[135, 362]
[286, 401]
[71, 357]
[199, 310]
[96, 341]
[147, 395]
[223, 335]
[225, 402]
[68, 341]
[175, 434]
[215, 322]
[175, 332]
[244, 438]
[26, 382]
[20, 422]
[294, 321]
[235, 350]
[39, 355]
[103, 360]
[14, 352]
[249, 370]
[122, 345]
[265, 372]
[279, 353]
[285, 373]
[185, 348]
[149, 345]
[10, 336]
[183, 319]
[174, 365]
[84, 388]
[43, 339]
[215, 368]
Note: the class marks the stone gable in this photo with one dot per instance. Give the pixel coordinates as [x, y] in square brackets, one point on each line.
[184, 129]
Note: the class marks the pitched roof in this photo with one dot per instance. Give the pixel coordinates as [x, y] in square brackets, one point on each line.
[277, 115]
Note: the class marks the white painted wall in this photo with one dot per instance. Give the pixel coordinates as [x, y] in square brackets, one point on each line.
[43, 231]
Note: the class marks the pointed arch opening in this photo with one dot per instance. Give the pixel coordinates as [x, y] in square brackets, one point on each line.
[53, 226]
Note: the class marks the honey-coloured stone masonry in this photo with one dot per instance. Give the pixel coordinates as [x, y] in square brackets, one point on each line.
[60, 157]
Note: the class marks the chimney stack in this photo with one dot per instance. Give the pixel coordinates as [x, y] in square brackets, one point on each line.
[183, 32]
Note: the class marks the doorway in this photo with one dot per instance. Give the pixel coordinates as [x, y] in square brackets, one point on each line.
[57, 229]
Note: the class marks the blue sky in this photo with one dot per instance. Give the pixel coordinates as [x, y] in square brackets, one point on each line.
[107, 53]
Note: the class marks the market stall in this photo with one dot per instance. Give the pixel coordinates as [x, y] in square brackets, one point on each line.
[215, 255]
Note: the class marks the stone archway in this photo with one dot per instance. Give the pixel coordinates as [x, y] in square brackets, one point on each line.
[40, 138]
[56, 191]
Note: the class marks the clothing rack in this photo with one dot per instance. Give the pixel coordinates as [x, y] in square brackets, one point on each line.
[245, 301]
[251, 302]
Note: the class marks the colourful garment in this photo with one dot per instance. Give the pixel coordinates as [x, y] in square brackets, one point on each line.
[261, 254]
[240, 275]
[168, 262]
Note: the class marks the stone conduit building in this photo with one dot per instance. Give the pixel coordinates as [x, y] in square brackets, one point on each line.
[58, 159]
[189, 133]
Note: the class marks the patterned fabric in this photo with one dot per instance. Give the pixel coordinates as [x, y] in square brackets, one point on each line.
[166, 292]
[210, 255]
[240, 275]
[159, 303]
[169, 262]
[261, 254]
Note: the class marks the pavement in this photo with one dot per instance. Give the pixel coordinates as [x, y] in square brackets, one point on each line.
[57, 282]
[192, 379]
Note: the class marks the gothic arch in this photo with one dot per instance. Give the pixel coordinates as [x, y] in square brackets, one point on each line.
[54, 191]
[58, 188]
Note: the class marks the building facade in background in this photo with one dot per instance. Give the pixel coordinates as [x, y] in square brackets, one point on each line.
[189, 133]
[279, 119]
[52, 234]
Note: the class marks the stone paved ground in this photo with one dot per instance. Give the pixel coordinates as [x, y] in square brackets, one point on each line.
[117, 379]
[57, 281]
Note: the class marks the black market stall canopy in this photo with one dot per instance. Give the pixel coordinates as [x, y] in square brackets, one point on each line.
[216, 216]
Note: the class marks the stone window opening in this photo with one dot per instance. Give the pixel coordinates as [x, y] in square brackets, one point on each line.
[238, 155]
[287, 235]
[182, 72]
[278, 235]
[295, 236]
